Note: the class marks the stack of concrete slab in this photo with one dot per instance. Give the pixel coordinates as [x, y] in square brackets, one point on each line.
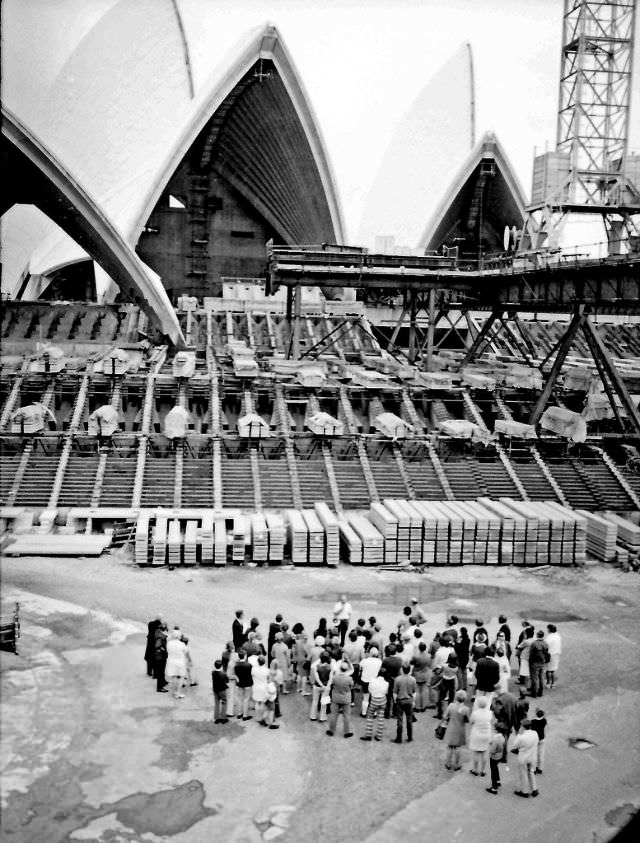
[141, 546]
[403, 527]
[315, 537]
[220, 542]
[241, 528]
[628, 537]
[277, 536]
[205, 539]
[350, 544]
[174, 542]
[190, 552]
[297, 536]
[387, 523]
[259, 538]
[415, 531]
[159, 545]
[53, 544]
[331, 529]
[602, 536]
[372, 540]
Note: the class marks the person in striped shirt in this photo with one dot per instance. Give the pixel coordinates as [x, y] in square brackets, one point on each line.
[378, 689]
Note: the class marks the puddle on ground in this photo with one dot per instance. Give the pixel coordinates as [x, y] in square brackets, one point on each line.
[621, 816]
[425, 592]
[617, 601]
[550, 615]
[581, 743]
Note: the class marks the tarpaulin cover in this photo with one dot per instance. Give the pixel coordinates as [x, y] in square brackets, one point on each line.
[565, 423]
[176, 422]
[391, 425]
[514, 428]
[322, 424]
[104, 421]
[252, 425]
[31, 418]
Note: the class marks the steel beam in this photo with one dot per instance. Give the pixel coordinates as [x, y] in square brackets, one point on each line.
[618, 384]
[563, 350]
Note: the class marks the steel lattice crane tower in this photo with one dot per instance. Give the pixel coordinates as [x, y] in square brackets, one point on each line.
[589, 171]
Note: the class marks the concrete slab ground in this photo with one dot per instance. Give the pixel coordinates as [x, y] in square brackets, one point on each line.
[91, 752]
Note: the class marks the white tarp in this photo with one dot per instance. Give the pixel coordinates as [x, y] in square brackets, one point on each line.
[391, 425]
[514, 428]
[478, 380]
[598, 407]
[184, 364]
[565, 423]
[176, 422]
[50, 359]
[104, 421]
[311, 376]
[253, 425]
[579, 378]
[31, 418]
[322, 424]
[458, 428]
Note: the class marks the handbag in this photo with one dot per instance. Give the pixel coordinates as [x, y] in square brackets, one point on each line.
[325, 699]
[440, 731]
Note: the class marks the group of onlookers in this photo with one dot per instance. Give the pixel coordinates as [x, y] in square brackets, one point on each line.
[465, 678]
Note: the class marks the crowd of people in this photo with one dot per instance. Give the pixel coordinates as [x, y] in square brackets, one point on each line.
[465, 676]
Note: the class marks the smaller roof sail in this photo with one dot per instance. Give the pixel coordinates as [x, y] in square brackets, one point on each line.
[483, 199]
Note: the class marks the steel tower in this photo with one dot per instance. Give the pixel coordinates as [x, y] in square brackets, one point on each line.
[589, 171]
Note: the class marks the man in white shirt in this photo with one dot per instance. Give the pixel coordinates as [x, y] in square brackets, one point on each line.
[378, 689]
[341, 614]
[525, 746]
[369, 669]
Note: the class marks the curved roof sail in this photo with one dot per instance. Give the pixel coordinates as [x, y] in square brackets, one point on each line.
[34, 176]
[484, 197]
[430, 141]
[263, 134]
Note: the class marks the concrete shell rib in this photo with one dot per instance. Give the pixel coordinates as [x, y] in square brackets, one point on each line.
[58, 194]
[430, 141]
[130, 209]
[488, 147]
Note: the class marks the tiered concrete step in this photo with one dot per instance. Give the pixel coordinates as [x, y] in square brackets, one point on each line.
[159, 480]
[352, 485]
[605, 487]
[37, 482]
[314, 482]
[532, 478]
[237, 482]
[118, 480]
[497, 480]
[425, 480]
[388, 479]
[197, 481]
[8, 466]
[77, 485]
[575, 488]
[275, 483]
[465, 479]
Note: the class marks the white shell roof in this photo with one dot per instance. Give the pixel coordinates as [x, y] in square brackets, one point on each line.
[432, 140]
[122, 124]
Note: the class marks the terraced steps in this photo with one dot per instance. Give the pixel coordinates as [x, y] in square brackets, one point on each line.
[38, 480]
[159, 480]
[237, 482]
[118, 480]
[197, 481]
[79, 478]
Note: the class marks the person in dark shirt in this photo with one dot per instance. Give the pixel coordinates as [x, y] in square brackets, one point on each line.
[504, 627]
[462, 646]
[244, 683]
[487, 675]
[149, 653]
[391, 667]
[274, 627]
[220, 683]
[538, 658]
[539, 726]
[237, 630]
[479, 631]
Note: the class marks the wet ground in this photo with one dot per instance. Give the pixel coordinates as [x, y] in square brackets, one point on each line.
[91, 752]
